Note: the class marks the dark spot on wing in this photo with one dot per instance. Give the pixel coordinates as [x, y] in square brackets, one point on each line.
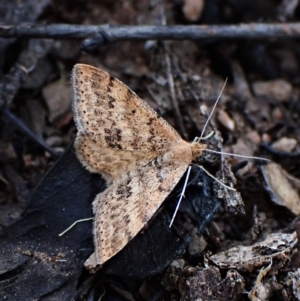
[111, 102]
[111, 81]
[124, 190]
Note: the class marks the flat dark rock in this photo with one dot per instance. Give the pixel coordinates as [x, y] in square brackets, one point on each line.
[35, 262]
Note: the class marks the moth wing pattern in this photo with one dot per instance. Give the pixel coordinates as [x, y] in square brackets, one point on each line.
[122, 210]
[116, 129]
[139, 154]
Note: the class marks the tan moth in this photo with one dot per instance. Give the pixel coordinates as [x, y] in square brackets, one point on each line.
[139, 154]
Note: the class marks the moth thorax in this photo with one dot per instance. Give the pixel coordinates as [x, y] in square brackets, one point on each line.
[197, 149]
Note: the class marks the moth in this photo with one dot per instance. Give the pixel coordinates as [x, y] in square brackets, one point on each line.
[138, 153]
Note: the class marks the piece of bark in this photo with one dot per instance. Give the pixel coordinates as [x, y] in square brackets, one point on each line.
[248, 258]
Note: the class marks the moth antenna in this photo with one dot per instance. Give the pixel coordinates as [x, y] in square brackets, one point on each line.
[185, 185]
[197, 139]
[235, 155]
[78, 221]
[212, 111]
[181, 195]
[217, 180]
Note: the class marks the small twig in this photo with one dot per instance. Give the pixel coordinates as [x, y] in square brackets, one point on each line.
[173, 94]
[23, 128]
[75, 223]
[169, 71]
[13, 81]
[159, 32]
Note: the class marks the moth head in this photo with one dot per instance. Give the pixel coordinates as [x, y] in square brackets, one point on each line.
[197, 149]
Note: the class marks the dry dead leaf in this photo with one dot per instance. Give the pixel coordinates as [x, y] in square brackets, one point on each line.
[193, 9]
[278, 89]
[285, 144]
[58, 99]
[282, 187]
[225, 120]
[248, 258]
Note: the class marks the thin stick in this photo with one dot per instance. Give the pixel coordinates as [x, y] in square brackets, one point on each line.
[102, 295]
[27, 131]
[181, 195]
[163, 21]
[152, 32]
[212, 111]
[172, 91]
[79, 221]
